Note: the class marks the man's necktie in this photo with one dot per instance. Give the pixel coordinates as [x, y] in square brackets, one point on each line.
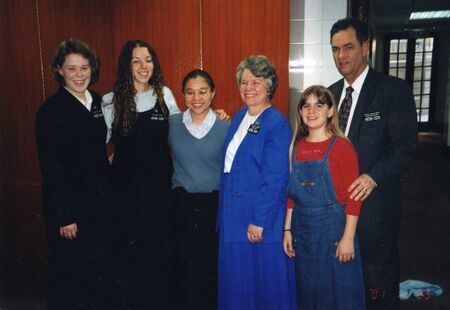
[344, 110]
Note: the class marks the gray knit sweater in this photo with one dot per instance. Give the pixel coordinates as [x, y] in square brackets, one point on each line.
[196, 162]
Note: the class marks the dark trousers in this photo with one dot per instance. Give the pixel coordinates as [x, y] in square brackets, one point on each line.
[196, 215]
[380, 261]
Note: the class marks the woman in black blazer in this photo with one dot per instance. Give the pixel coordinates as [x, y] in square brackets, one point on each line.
[71, 134]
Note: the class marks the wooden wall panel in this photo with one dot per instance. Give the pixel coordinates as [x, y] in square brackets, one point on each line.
[24, 248]
[22, 242]
[186, 34]
[234, 29]
[20, 89]
[87, 20]
[171, 27]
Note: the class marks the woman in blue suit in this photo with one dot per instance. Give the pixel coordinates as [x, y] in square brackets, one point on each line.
[253, 272]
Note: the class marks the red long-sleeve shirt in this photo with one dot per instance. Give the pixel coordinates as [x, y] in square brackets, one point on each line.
[344, 167]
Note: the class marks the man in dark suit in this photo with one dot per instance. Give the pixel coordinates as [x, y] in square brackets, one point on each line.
[378, 115]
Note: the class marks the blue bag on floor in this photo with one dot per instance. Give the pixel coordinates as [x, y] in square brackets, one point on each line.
[418, 289]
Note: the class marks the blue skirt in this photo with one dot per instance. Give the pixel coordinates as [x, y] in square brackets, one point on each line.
[255, 276]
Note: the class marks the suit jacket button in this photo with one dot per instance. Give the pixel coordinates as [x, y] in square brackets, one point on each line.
[238, 194]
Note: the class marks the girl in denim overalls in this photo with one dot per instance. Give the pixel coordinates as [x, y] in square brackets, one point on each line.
[321, 218]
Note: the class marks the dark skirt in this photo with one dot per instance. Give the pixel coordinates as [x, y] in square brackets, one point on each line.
[196, 215]
[144, 247]
[77, 268]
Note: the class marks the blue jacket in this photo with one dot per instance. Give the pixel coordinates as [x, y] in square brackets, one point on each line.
[254, 192]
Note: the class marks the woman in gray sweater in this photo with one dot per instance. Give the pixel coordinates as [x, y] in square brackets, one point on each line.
[196, 138]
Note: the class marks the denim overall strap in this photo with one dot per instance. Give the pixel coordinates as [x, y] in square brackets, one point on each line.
[310, 183]
[318, 222]
[330, 145]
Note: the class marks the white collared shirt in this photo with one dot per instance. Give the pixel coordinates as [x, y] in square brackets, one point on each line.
[86, 103]
[239, 135]
[357, 86]
[201, 130]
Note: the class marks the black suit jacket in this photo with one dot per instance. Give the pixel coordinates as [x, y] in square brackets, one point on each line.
[384, 133]
[72, 157]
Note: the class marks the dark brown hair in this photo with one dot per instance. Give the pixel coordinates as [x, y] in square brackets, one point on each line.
[124, 91]
[73, 46]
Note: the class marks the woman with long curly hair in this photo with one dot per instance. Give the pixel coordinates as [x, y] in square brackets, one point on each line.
[137, 114]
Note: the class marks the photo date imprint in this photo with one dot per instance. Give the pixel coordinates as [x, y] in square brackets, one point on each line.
[424, 294]
[374, 294]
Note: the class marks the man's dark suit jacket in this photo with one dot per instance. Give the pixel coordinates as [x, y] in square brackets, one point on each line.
[384, 133]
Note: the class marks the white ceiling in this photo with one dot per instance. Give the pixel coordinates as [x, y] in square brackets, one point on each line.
[395, 13]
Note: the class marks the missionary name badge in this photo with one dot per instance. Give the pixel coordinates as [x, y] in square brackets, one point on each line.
[254, 128]
[97, 112]
[158, 117]
[372, 116]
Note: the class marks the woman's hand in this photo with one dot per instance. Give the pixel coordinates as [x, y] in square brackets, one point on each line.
[222, 114]
[110, 158]
[110, 152]
[69, 231]
[254, 233]
[345, 250]
[287, 244]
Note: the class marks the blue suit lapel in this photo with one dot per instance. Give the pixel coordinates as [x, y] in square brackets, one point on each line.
[264, 115]
[234, 127]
